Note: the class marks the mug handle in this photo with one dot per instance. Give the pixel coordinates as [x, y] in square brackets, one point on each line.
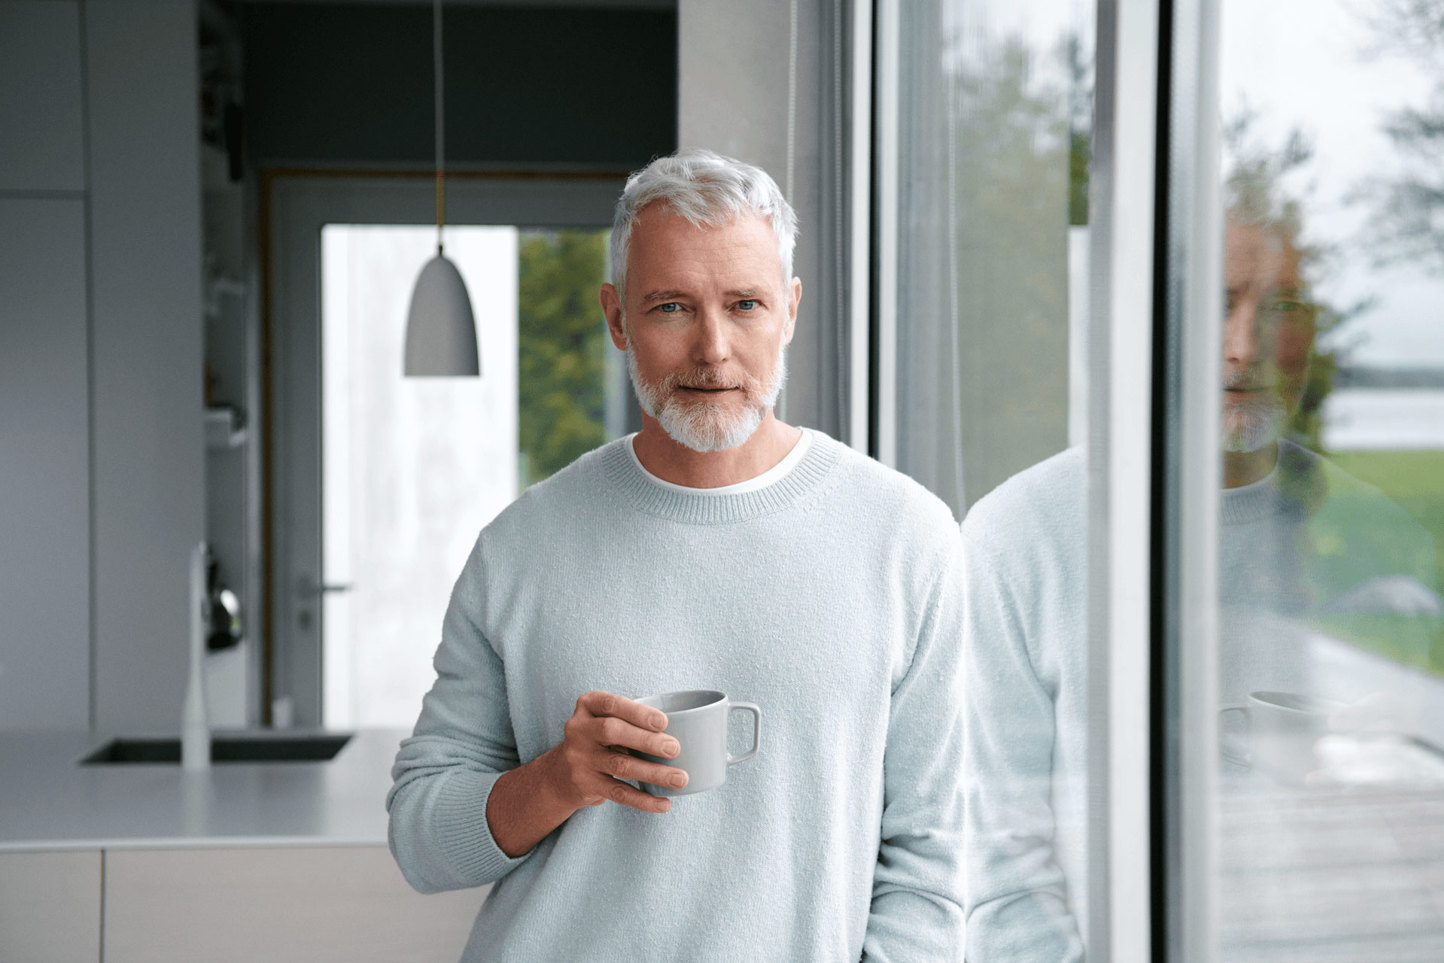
[756, 731]
[1243, 758]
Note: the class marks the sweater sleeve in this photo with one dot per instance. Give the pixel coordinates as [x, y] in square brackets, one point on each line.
[1016, 896]
[444, 772]
[916, 911]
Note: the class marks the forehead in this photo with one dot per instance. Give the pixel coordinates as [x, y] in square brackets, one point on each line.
[666, 245]
[1255, 256]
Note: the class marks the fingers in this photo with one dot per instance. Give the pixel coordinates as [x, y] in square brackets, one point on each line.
[620, 765]
[619, 721]
[608, 704]
[625, 795]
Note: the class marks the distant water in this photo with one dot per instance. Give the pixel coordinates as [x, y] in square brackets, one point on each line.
[1365, 418]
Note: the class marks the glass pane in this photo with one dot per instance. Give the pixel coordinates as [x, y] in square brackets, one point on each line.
[994, 113]
[413, 468]
[993, 163]
[1331, 658]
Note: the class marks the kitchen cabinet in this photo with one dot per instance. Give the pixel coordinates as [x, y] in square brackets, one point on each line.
[342, 903]
[40, 96]
[244, 862]
[50, 906]
[45, 536]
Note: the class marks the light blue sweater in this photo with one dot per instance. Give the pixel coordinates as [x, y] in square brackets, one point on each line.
[830, 598]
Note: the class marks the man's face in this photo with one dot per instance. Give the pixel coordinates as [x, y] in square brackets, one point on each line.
[1268, 329]
[706, 319]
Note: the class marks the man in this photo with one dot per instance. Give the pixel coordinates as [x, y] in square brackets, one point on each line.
[1305, 551]
[717, 548]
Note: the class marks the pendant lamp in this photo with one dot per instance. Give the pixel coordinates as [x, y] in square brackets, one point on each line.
[440, 328]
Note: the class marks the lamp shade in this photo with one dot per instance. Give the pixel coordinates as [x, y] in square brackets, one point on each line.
[440, 328]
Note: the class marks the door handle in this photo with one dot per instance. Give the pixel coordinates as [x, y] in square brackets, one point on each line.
[310, 587]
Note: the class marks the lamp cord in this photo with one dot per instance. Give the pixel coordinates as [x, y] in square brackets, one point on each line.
[440, 122]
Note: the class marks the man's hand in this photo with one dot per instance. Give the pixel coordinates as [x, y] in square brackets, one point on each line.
[591, 761]
[585, 769]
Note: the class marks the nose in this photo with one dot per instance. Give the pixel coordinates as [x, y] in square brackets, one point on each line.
[1241, 334]
[709, 343]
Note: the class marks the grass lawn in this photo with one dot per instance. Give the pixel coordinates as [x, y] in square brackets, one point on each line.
[1414, 480]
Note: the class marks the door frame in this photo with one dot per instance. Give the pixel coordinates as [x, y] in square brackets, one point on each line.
[296, 205]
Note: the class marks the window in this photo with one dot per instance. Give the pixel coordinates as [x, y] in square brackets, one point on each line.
[1330, 674]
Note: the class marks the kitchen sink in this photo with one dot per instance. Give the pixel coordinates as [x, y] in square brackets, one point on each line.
[225, 747]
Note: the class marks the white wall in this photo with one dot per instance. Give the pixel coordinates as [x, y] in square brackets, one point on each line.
[101, 447]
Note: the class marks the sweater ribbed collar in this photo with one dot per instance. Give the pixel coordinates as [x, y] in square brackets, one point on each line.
[1269, 497]
[699, 507]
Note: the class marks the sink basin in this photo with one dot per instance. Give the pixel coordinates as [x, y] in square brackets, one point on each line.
[226, 747]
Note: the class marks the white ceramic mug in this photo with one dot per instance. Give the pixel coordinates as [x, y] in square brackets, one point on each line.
[1283, 729]
[697, 719]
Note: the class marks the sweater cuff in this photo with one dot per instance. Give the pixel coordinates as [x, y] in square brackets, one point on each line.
[464, 831]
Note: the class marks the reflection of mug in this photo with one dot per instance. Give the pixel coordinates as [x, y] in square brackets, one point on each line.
[697, 719]
[1283, 729]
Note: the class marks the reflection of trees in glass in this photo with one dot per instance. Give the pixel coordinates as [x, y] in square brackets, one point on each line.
[562, 347]
[1017, 184]
[1080, 127]
[1408, 218]
[1254, 182]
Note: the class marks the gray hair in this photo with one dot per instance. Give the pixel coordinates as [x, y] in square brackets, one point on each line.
[706, 188]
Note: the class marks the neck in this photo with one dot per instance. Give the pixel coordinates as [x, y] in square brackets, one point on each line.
[672, 461]
[1246, 467]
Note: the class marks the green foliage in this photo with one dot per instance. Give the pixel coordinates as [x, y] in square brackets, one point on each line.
[1413, 480]
[562, 348]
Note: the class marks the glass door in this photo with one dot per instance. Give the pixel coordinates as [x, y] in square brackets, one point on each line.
[1328, 805]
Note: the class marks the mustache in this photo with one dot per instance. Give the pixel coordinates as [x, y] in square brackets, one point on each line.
[705, 377]
[1246, 379]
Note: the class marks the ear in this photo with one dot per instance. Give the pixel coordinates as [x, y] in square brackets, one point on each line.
[612, 308]
[794, 295]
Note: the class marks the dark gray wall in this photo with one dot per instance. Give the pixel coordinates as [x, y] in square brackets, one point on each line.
[351, 85]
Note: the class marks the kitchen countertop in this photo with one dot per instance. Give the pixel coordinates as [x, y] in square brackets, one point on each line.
[49, 801]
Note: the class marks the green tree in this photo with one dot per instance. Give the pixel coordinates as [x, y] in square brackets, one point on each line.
[562, 348]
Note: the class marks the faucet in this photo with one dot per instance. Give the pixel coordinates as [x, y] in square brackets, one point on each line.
[195, 731]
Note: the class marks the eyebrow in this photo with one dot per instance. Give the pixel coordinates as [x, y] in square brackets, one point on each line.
[746, 294]
[663, 296]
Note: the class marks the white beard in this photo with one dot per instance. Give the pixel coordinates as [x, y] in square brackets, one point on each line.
[702, 425]
[1251, 425]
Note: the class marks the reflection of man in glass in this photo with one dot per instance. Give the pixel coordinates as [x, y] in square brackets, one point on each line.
[1307, 554]
[1267, 331]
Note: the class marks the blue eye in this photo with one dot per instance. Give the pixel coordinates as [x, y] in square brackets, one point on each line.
[747, 304]
[671, 307]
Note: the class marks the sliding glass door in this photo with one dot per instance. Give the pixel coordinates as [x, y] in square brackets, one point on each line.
[1158, 313]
